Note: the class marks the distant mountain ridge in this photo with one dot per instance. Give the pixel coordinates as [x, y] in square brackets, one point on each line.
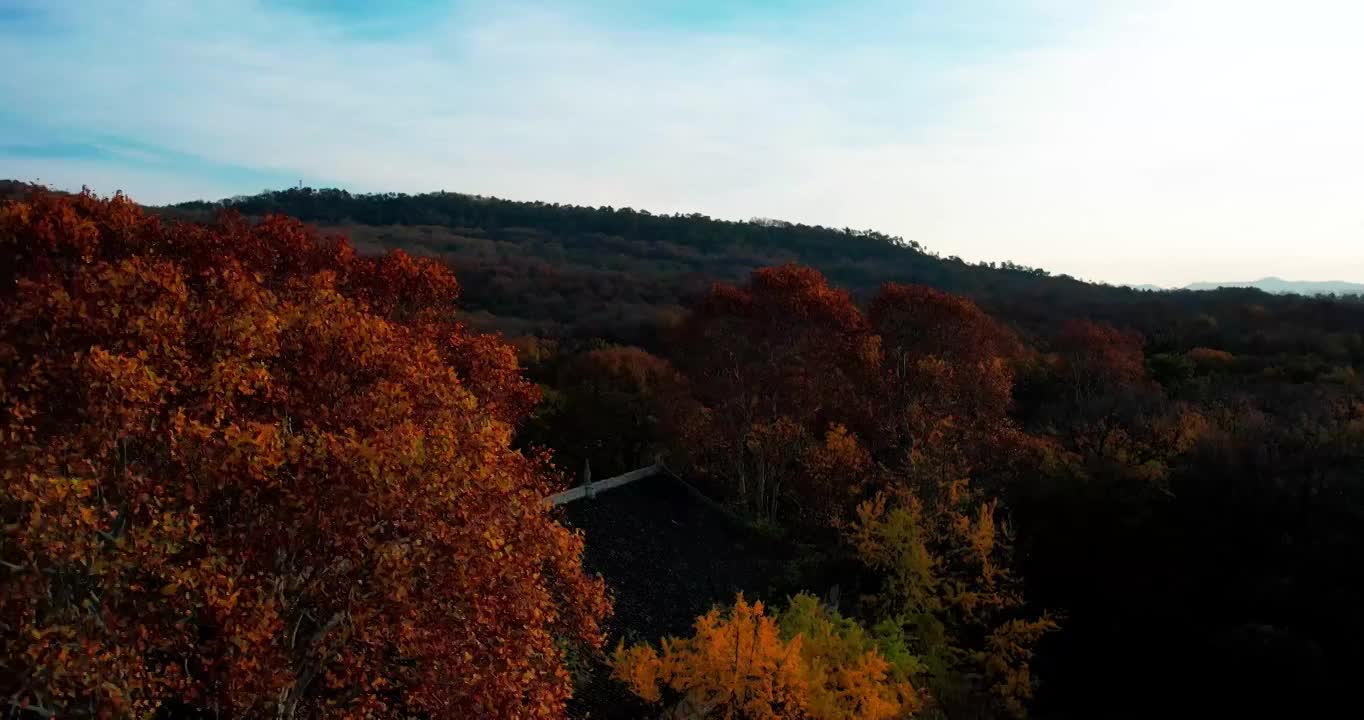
[1281, 286]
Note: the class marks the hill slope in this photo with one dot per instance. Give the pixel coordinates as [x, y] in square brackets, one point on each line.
[595, 269]
[619, 273]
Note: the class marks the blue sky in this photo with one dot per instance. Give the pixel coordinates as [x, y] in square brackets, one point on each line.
[1159, 141]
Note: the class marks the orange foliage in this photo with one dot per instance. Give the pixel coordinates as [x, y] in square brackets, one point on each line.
[785, 344]
[1099, 356]
[946, 384]
[831, 475]
[744, 664]
[1211, 357]
[810, 408]
[249, 473]
[922, 321]
[646, 373]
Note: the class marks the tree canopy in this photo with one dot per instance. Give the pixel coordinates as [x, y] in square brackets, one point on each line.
[248, 472]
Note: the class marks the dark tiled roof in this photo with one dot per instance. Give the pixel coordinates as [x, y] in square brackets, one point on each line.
[668, 556]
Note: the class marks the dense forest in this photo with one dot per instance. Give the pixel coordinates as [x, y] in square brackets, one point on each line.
[560, 270]
[251, 468]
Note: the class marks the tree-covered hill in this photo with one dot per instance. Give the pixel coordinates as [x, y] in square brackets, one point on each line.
[606, 266]
[1022, 511]
[551, 269]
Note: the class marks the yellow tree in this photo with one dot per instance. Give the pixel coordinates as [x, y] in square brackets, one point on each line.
[944, 559]
[742, 663]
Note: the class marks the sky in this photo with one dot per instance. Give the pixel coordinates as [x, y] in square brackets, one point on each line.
[1151, 141]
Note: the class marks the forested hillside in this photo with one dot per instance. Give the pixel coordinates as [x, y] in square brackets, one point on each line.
[543, 268]
[1181, 470]
[250, 471]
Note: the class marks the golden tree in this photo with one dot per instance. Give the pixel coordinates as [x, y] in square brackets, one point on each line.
[742, 663]
[947, 583]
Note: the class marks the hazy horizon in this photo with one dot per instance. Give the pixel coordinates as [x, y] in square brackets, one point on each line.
[1156, 142]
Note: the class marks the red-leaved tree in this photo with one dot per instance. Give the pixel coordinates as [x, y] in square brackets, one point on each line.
[776, 364]
[248, 473]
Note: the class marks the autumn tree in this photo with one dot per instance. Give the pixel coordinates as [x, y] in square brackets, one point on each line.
[1211, 358]
[927, 377]
[948, 584]
[1096, 360]
[920, 321]
[775, 364]
[248, 473]
[946, 384]
[834, 472]
[613, 405]
[805, 662]
[1102, 404]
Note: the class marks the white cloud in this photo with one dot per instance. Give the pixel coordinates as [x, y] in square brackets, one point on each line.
[1147, 142]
